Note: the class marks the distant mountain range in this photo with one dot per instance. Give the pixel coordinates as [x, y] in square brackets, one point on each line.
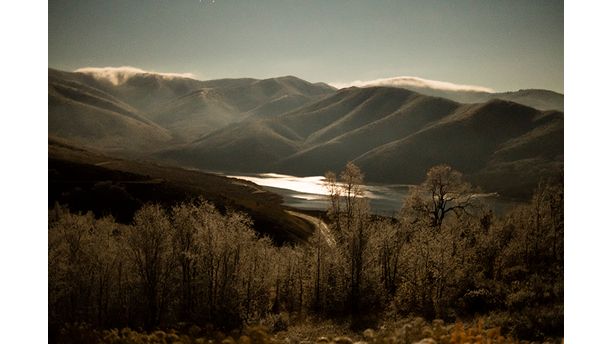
[535, 98]
[136, 111]
[504, 142]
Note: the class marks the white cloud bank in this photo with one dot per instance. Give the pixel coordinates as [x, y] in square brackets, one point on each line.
[412, 81]
[119, 75]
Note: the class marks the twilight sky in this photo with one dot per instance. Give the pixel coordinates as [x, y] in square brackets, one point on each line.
[503, 45]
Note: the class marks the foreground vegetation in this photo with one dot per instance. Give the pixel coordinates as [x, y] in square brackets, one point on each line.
[443, 257]
[415, 330]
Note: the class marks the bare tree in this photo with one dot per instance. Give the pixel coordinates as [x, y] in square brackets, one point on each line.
[334, 191]
[188, 223]
[149, 247]
[442, 192]
[349, 209]
[389, 243]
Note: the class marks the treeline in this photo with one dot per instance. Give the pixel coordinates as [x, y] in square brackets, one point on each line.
[444, 256]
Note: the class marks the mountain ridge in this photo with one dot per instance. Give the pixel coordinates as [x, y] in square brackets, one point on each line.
[395, 143]
[292, 126]
[540, 99]
[184, 108]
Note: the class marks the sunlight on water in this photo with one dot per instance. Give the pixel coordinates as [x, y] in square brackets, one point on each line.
[309, 185]
[313, 185]
[311, 193]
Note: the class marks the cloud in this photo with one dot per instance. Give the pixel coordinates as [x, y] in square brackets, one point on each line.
[413, 81]
[119, 75]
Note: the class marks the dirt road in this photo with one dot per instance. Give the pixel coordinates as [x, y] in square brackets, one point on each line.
[319, 224]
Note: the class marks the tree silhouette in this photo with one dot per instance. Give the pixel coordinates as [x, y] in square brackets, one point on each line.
[442, 192]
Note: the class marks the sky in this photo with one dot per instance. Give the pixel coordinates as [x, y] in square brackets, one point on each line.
[502, 45]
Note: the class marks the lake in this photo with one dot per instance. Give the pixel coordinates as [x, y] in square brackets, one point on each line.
[310, 193]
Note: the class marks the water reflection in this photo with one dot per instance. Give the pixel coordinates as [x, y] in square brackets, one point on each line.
[310, 192]
[384, 199]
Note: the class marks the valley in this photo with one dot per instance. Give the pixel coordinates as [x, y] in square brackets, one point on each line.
[302, 172]
[295, 127]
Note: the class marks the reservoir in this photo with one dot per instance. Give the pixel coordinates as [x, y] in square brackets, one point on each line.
[310, 193]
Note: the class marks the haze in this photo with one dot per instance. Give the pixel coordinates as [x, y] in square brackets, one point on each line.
[501, 45]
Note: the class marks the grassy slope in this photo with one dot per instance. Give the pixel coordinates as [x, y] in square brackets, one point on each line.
[185, 108]
[87, 180]
[92, 117]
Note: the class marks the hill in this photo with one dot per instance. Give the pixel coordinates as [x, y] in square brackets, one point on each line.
[133, 110]
[86, 180]
[288, 125]
[535, 98]
[94, 118]
[485, 141]
[225, 101]
[394, 135]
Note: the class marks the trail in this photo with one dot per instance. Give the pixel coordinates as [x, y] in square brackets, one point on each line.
[319, 224]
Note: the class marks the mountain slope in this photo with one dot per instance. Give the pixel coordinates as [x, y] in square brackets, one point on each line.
[134, 110]
[393, 134]
[145, 91]
[86, 180]
[414, 113]
[469, 140]
[292, 126]
[228, 101]
[535, 98]
[196, 114]
[94, 118]
[246, 146]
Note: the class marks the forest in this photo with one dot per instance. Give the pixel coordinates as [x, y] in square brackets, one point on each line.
[445, 258]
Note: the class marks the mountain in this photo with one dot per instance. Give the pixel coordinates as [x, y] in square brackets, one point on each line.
[365, 127]
[480, 140]
[133, 110]
[394, 135]
[144, 91]
[94, 118]
[535, 98]
[222, 102]
[288, 125]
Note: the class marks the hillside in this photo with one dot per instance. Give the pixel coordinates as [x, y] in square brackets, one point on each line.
[353, 134]
[535, 98]
[145, 91]
[477, 140]
[289, 125]
[228, 101]
[87, 180]
[95, 118]
[131, 110]
[394, 135]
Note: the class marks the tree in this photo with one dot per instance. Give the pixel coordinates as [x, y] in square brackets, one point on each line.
[334, 191]
[389, 243]
[69, 257]
[148, 242]
[84, 256]
[188, 221]
[442, 192]
[436, 256]
[350, 212]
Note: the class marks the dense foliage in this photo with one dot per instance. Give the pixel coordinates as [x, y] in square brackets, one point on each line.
[443, 257]
[414, 330]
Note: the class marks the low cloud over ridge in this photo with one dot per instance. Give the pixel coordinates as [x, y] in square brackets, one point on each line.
[119, 75]
[412, 81]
